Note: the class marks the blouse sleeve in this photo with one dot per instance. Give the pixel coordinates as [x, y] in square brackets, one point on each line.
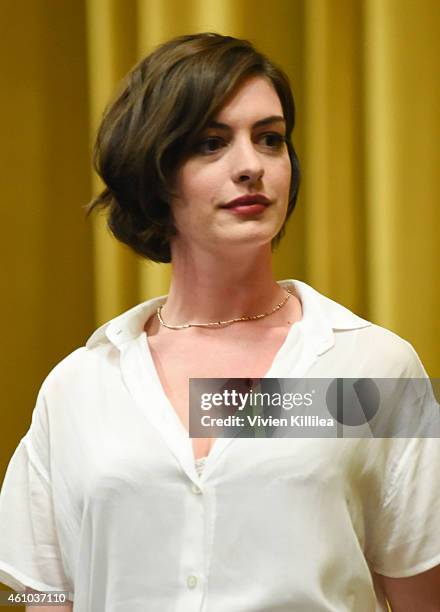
[29, 550]
[405, 526]
[405, 537]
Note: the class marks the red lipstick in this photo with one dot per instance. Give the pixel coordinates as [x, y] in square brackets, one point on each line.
[248, 204]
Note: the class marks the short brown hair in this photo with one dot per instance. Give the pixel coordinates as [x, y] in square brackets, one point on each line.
[164, 104]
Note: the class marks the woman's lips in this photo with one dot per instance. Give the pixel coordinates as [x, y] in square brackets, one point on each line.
[248, 205]
[247, 209]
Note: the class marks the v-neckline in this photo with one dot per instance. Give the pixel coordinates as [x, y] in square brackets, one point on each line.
[141, 371]
[272, 371]
[275, 370]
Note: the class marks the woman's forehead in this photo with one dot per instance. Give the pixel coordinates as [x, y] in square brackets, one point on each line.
[253, 100]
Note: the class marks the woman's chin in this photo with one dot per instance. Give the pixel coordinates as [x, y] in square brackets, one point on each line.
[253, 233]
[225, 240]
[245, 239]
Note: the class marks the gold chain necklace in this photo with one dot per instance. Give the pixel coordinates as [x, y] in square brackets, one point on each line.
[229, 322]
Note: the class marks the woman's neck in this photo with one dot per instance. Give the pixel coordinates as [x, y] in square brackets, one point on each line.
[206, 287]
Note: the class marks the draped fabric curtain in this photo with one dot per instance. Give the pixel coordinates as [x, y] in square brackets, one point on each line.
[365, 232]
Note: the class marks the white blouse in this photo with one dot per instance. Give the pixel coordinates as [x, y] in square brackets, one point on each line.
[103, 498]
[200, 464]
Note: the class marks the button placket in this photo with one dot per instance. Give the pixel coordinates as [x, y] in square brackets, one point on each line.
[193, 566]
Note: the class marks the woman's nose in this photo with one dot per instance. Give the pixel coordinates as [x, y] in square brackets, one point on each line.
[246, 164]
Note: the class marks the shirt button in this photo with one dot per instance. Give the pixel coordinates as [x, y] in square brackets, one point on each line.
[191, 581]
[195, 489]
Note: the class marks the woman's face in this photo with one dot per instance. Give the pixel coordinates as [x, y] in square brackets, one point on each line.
[241, 153]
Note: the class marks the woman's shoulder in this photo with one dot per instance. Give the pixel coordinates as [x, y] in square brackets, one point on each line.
[387, 347]
[74, 368]
[98, 357]
[359, 346]
[358, 343]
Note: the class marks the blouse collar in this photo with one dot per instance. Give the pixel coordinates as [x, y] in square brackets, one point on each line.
[321, 318]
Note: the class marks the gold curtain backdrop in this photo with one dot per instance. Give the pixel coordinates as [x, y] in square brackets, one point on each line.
[365, 232]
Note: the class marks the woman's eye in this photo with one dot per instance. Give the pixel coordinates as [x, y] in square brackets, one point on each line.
[273, 140]
[210, 144]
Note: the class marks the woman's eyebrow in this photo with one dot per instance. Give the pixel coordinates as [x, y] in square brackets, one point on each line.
[267, 120]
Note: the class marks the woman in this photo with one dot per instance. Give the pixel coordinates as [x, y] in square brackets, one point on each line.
[106, 496]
